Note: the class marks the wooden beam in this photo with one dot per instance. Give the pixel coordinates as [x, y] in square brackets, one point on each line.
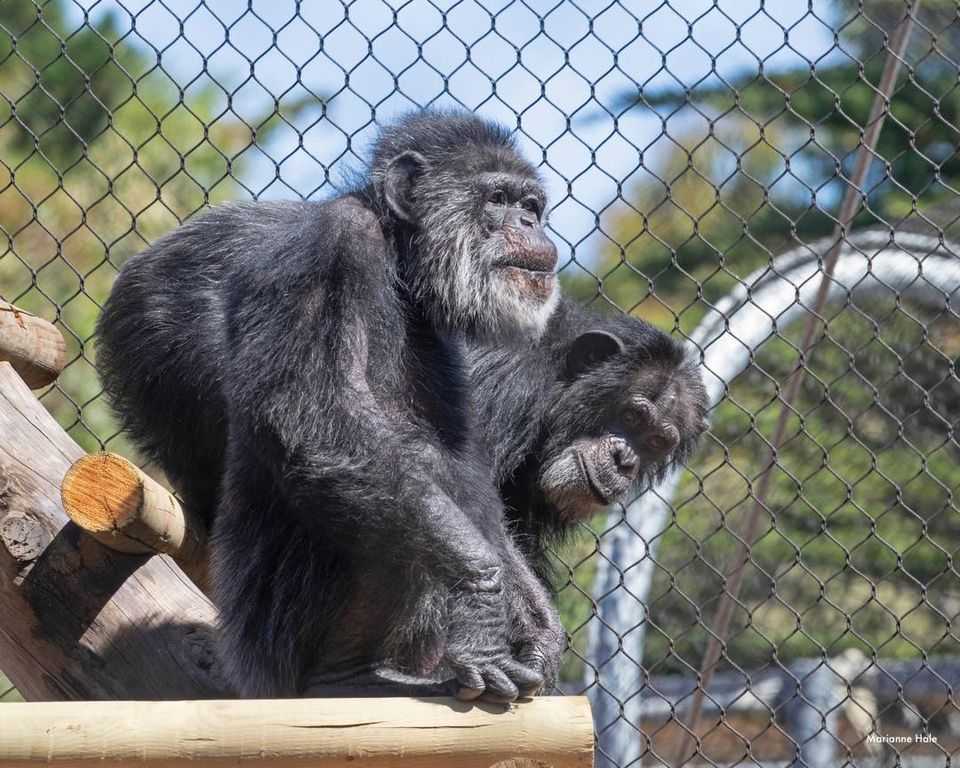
[33, 346]
[419, 733]
[79, 620]
[127, 510]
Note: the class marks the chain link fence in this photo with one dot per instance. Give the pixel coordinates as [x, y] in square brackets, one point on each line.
[776, 182]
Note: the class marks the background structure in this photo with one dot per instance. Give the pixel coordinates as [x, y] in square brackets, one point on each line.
[698, 156]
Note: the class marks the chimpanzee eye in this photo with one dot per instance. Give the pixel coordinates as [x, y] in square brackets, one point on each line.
[532, 205]
[499, 197]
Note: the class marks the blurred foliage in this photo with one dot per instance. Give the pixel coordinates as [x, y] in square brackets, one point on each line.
[739, 179]
[857, 544]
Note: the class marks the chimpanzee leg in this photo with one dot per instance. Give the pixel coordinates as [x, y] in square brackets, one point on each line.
[295, 604]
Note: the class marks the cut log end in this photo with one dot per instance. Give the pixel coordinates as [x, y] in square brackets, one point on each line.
[127, 510]
[103, 493]
[33, 346]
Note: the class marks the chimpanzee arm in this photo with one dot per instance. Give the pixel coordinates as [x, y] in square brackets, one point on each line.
[350, 463]
[298, 394]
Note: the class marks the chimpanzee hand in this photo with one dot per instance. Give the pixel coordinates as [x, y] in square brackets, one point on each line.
[537, 638]
[478, 642]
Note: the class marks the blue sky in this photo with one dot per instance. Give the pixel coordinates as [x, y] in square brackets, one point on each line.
[496, 57]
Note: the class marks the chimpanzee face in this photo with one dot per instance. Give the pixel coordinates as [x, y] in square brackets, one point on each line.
[501, 258]
[483, 257]
[523, 257]
[620, 418]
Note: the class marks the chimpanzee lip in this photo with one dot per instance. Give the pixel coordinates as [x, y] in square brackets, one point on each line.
[530, 282]
[526, 250]
[591, 483]
[533, 269]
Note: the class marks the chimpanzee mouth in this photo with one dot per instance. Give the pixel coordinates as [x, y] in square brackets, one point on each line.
[529, 259]
[540, 284]
[599, 495]
[526, 252]
[521, 266]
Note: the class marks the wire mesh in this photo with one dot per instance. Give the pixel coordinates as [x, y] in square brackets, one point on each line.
[697, 154]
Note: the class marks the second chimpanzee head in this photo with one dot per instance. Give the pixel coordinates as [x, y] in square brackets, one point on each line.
[630, 403]
[469, 215]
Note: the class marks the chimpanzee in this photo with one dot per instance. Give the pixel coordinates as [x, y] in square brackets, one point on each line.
[596, 408]
[298, 371]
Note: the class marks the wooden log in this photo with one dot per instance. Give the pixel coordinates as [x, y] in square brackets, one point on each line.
[79, 620]
[420, 733]
[127, 510]
[33, 346]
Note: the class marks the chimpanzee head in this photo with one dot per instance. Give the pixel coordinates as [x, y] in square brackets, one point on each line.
[630, 404]
[469, 213]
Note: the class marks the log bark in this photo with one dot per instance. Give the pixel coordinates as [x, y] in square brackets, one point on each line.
[33, 346]
[127, 510]
[79, 620]
[554, 732]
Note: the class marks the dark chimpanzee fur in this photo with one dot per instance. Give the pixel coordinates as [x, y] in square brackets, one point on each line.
[296, 369]
[597, 407]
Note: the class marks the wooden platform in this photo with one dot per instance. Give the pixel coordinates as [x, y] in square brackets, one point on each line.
[548, 732]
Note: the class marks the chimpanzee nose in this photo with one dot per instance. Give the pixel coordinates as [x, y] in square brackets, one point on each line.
[624, 457]
[664, 439]
[527, 219]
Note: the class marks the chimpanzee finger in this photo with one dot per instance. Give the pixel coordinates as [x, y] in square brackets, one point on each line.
[527, 676]
[500, 689]
[469, 694]
[470, 683]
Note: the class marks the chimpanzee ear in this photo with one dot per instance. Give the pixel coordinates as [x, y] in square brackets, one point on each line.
[590, 349]
[399, 178]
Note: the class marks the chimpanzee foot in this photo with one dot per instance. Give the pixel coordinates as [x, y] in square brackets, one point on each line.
[536, 637]
[540, 649]
[478, 646]
[386, 682]
[542, 658]
[500, 682]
